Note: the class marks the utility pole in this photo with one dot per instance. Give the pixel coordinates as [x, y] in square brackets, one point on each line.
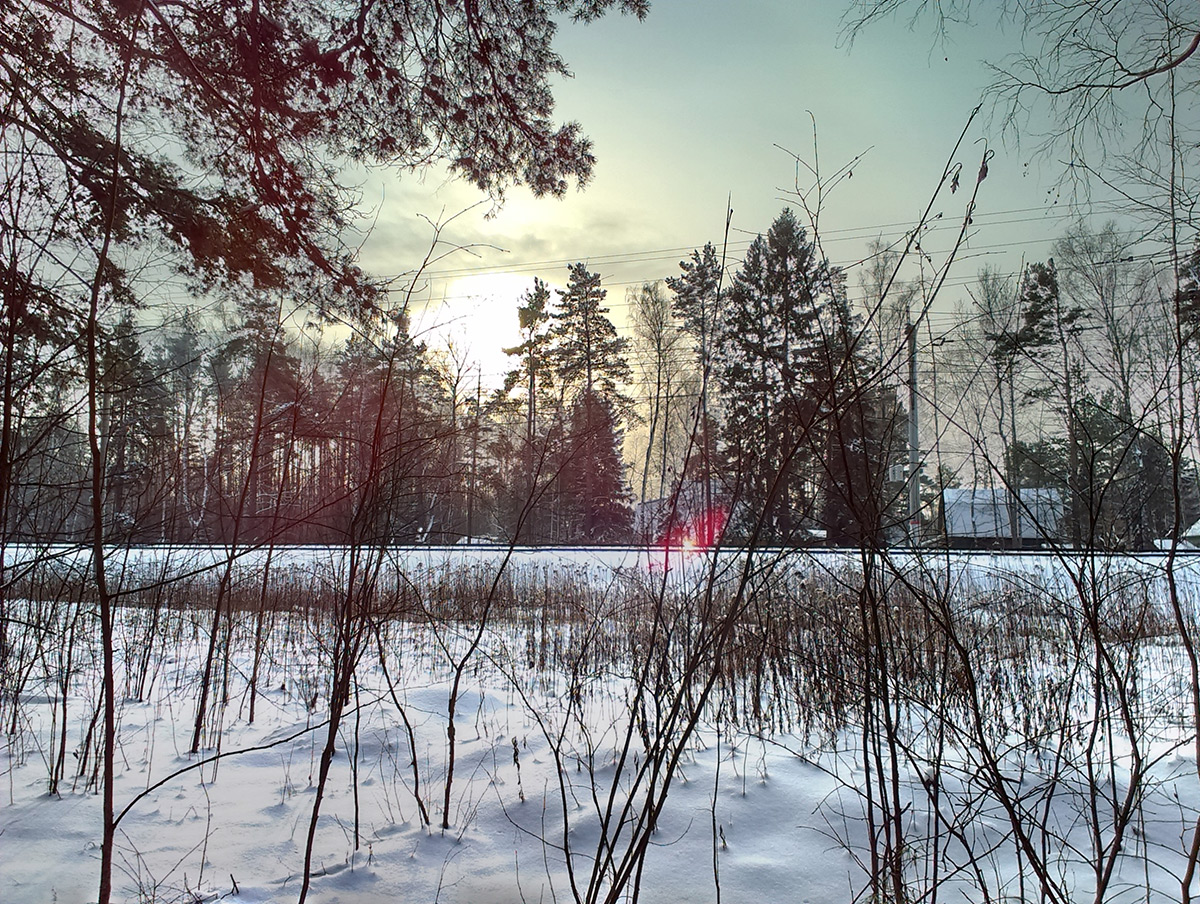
[707, 326]
[474, 461]
[914, 442]
[1014, 468]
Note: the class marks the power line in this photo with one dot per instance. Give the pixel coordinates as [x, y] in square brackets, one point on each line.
[845, 234]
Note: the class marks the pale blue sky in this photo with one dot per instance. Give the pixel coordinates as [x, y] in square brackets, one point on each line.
[685, 109]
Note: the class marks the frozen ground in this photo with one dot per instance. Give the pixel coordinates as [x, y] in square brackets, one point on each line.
[753, 814]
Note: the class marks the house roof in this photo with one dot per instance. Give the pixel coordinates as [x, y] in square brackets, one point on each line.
[984, 512]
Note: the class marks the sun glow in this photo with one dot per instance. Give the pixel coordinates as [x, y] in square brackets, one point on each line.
[476, 320]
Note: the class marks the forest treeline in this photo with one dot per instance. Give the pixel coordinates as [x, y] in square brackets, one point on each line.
[761, 394]
[282, 396]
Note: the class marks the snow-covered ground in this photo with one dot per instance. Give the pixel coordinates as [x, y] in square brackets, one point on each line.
[779, 804]
[243, 819]
[602, 561]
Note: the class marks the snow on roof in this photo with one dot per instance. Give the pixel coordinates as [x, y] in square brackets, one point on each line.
[983, 512]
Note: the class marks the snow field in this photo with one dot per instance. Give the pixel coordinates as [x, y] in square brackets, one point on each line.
[784, 787]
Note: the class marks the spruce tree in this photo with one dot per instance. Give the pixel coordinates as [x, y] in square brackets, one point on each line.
[596, 501]
[589, 364]
[764, 355]
[858, 430]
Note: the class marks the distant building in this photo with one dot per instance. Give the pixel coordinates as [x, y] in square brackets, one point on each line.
[979, 517]
[1189, 538]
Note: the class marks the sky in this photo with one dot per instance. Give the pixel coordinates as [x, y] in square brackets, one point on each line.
[706, 103]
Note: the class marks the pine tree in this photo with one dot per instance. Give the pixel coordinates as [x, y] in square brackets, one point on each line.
[522, 413]
[533, 316]
[587, 353]
[697, 300]
[180, 357]
[387, 384]
[258, 387]
[1039, 337]
[134, 432]
[698, 306]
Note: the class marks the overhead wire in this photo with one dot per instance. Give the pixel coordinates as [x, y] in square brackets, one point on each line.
[841, 235]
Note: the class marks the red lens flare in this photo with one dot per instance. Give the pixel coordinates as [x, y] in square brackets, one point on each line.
[689, 536]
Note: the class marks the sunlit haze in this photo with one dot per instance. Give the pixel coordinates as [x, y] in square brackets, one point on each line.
[704, 103]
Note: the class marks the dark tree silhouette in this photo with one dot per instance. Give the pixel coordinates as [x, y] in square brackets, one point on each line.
[763, 358]
[589, 366]
[262, 98]
[697, 304]
[596, 499]
[522, 412]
